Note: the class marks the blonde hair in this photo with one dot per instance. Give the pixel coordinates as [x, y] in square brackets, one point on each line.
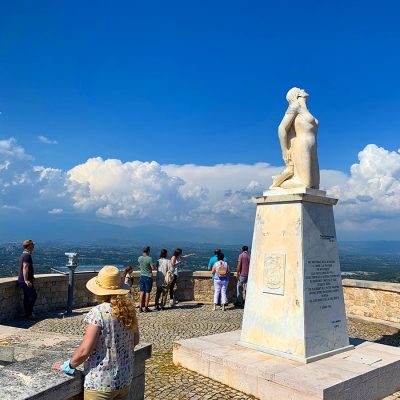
[123, 309]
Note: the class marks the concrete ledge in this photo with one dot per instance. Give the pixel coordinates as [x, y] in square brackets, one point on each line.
[384, 286]
[369, 372]
[34, 379]
[294, 198]
[31, 355]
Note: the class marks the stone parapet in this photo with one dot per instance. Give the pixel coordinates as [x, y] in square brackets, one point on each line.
[372, 300]
[366, 299]
[52, 294]
[28, 357]
[52, 291]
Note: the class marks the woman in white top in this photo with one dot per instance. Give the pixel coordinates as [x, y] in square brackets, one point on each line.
[175, 262]
[107, 349]
[163, 279]
[221, 272]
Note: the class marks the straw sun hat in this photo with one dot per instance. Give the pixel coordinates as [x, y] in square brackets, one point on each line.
[107, 282]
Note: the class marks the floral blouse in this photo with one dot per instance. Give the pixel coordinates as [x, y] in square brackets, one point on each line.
[110, 365]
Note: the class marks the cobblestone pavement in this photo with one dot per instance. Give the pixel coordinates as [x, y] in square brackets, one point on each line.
[166, 381]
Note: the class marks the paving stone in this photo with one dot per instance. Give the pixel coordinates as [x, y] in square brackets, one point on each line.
[161, 328]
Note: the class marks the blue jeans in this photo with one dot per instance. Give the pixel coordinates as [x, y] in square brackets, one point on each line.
[30, 297]
[240, 283]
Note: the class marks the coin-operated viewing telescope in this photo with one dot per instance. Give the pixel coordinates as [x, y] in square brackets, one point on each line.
[72, 264]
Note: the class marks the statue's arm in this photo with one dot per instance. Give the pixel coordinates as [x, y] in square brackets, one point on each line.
[283, 130]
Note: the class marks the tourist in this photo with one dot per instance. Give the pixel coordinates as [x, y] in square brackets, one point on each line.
[107, 349]
[163, 280]
[213, 260]
[221, 272]
[242, 274]
[145, 280]
[175, 262]
[128, 276]
[26, 278]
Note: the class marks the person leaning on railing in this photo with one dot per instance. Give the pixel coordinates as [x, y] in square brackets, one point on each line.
[107, 349]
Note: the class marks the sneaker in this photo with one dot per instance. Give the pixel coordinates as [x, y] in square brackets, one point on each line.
[157, 308]
[147, 309]
[140, 309]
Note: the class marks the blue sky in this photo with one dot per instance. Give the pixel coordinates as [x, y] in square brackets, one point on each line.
[196, 82]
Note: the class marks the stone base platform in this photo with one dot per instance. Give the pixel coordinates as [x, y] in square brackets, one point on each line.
[368, 372]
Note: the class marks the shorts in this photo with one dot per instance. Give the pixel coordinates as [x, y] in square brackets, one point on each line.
[145, 283]
[122, 394]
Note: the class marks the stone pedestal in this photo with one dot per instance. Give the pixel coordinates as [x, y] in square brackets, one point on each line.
[294, 303]
[369, 372]
[294, 314]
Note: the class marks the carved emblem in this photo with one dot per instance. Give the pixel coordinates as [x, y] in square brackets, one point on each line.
[274, 273]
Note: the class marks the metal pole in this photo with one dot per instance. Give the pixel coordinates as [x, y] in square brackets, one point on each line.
[70, 290]
[71, 264]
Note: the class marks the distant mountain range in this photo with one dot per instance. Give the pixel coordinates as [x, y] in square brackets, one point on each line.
[62, 228]
[368, 248]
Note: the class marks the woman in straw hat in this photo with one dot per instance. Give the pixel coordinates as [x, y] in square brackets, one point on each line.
[107, 348]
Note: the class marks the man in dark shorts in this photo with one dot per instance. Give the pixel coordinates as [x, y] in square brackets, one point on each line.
[26, 278]
[145, 280]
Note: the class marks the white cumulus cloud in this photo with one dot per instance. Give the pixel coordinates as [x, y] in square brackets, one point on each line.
[128, 191]
[137, 192]
[10, 150]
[370, 197]
[24, 185]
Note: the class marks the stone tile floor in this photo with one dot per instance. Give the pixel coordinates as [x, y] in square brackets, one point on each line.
[163, 379]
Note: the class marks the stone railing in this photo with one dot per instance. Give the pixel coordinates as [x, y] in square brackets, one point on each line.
[27, 357]
[375, 300]
[52, 291]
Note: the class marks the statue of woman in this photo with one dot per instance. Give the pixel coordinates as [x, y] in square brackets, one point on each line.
[298, 138]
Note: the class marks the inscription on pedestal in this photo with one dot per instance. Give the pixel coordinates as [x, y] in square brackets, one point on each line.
[274, 273]
[322, 282]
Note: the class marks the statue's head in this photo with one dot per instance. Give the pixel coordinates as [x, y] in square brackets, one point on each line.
[294, 93]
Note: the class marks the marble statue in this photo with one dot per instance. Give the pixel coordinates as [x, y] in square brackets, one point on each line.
[298, 138]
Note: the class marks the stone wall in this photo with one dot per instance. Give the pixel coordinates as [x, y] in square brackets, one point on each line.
[52, 292]
[376, 300]
[193, 286]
